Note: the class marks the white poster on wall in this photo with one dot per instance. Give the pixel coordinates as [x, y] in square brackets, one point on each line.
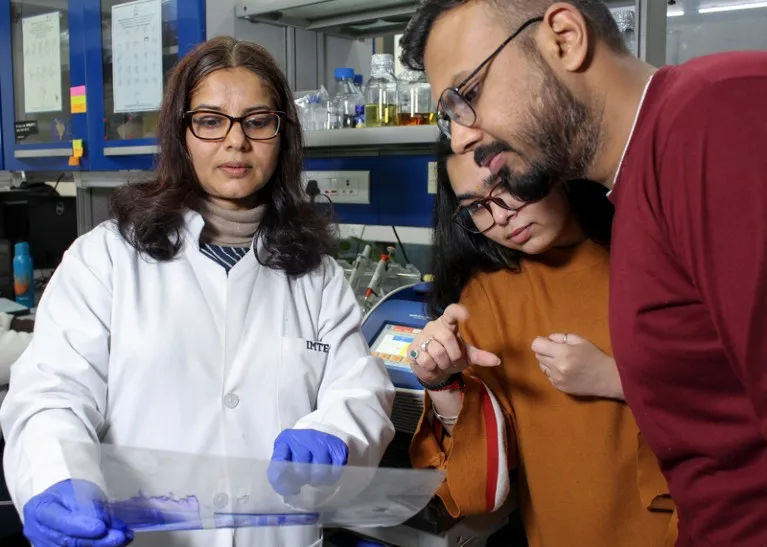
[41, 40]
[137, 56]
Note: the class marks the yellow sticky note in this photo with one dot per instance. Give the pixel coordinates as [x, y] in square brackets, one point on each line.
[74, 161]
[79, 104]
[77, 148]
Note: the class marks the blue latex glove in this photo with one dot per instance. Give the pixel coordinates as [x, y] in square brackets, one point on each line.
[60, 516]
[305, 446]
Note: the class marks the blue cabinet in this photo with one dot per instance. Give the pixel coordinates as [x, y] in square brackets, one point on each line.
[122, 129]
[38, 50]
[90, 71]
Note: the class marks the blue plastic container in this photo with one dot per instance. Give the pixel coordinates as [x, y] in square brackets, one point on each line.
[23, 275]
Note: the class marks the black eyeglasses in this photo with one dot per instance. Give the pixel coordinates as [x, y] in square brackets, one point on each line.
[477, 217]
[209, 125]
[454, 106]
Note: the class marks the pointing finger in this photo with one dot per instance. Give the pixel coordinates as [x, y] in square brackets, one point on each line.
[481, 358]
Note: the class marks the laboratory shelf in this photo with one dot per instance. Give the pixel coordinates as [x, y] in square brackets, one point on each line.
[372, 136]
[350, 19]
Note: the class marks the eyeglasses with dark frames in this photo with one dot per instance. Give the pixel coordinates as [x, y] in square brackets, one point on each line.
[210, 125]
[454, 106]
[478, 217]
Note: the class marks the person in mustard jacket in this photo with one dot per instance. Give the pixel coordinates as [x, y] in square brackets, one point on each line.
[519, 373]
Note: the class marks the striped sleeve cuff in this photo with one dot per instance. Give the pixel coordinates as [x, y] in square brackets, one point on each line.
[475, 457]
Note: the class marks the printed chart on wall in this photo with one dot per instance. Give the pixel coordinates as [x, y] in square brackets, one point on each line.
[137, 56]
[42, 62]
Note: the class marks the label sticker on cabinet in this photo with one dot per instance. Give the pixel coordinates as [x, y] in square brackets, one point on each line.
[25, 129]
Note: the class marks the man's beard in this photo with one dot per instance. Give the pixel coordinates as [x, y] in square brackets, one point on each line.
[563, 134]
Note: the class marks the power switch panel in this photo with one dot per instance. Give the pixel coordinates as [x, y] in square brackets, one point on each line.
[342, 186]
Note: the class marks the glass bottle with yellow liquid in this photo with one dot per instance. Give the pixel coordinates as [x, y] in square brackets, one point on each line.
[381, 97]
[415, 103]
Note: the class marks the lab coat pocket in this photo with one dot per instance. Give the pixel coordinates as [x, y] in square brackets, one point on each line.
[302, 365]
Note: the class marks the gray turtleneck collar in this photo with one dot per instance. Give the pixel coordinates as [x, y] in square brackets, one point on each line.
[229, 228]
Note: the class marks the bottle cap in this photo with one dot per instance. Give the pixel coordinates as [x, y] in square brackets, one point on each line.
[21, 248]
[358, 80]
[408, 75]
[382, 61]
[343, 73]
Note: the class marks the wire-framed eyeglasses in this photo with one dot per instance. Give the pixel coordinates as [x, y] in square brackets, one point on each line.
[454, 106]
[209, 125]
[478, 217]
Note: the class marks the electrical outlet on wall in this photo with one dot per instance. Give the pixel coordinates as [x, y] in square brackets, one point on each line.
[342, 186]
[432, 181]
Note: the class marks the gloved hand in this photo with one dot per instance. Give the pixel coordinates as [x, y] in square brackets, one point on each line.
[326, 452]
[61, 516]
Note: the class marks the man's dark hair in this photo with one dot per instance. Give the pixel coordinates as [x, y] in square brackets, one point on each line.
[458, 255]
[413, 42]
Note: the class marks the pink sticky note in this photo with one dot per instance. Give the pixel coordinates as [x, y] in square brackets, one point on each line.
[77, 91]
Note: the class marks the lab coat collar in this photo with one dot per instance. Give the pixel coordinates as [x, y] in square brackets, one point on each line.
[193, 223]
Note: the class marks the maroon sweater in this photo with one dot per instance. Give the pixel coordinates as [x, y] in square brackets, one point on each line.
[688, 302]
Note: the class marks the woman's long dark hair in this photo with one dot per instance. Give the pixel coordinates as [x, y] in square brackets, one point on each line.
[150, 214]
[458, 254]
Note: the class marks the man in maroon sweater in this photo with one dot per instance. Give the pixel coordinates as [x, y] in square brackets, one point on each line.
[542, 92]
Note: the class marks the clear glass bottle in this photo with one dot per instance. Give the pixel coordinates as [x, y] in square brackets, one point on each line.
[415, 103]
[381, 92]
[359, 118]
[343, 106]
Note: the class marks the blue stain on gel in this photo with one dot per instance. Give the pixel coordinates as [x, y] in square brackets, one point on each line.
[245, 520]
[167, 513]
[158, 513]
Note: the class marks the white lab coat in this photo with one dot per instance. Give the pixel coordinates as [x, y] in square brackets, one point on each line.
[179, 356]
[12, 345]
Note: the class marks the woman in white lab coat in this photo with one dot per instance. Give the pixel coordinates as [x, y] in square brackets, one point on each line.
[207, 318]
